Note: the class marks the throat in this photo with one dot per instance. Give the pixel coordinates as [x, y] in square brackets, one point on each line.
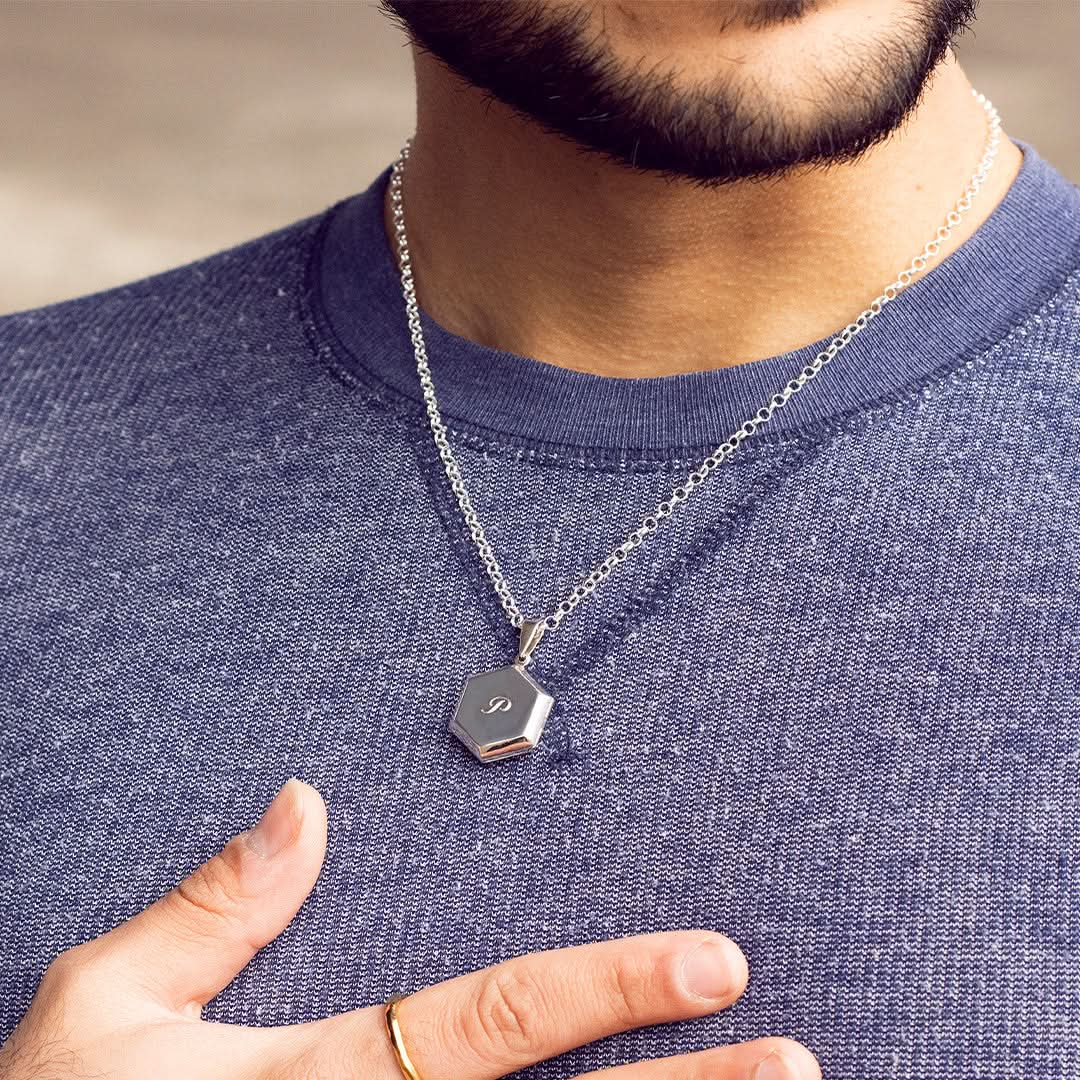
[523, 244]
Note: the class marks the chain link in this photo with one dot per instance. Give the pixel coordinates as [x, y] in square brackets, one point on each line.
[651, 521]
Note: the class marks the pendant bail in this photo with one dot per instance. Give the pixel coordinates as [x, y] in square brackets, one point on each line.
[532, 630]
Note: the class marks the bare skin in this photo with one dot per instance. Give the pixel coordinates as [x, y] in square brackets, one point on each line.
[127, 1004]
[523, 243]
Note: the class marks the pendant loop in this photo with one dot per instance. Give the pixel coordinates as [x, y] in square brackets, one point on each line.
[532, 630]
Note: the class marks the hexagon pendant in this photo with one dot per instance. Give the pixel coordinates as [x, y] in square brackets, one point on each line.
[501, 713]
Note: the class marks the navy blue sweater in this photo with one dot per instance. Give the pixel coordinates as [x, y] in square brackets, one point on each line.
[832, 711]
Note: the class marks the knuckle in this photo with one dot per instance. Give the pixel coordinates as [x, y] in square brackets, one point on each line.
[209, 893]
[61, 970]
[67, 970]
[633, 982]
[72, 977]
[507, 1015]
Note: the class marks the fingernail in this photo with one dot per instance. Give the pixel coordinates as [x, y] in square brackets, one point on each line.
[714, 969]
[775, 1066]
[279, 825]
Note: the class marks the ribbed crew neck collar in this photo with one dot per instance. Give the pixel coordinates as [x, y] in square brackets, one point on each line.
[966, 302]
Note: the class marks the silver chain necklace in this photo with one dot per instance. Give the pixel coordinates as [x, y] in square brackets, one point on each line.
[501, 713]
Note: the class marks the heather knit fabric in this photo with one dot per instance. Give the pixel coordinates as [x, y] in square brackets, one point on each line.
[833, 710]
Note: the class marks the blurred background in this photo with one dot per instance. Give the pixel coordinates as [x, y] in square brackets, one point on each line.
[139, 134]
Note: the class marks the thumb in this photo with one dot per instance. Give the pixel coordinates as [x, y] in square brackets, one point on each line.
[190, 944]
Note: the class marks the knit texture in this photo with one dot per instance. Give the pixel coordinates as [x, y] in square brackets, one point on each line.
[831, 710]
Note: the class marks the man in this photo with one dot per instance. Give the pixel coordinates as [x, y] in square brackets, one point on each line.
[814, 726]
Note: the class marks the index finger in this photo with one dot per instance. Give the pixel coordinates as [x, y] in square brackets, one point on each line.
[495, 1021]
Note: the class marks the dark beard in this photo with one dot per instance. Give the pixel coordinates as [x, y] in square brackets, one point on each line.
[544, 64]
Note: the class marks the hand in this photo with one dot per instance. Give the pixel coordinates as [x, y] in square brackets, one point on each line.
[127, 1005]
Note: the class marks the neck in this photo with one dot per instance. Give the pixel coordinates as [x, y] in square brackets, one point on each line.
[522, 243]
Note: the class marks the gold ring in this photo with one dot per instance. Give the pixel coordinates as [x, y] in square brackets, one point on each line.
[393, 1030]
